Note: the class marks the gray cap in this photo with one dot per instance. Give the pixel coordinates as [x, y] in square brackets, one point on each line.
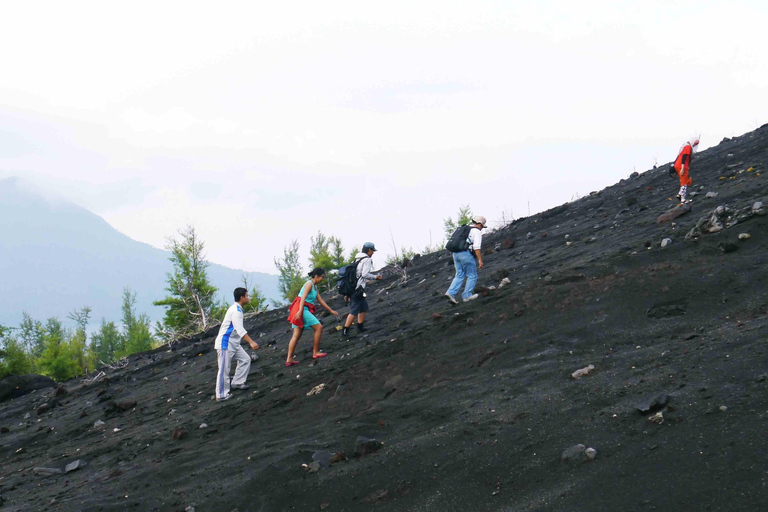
[369, 245]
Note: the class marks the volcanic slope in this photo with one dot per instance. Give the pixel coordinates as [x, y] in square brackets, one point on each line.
[475, 403]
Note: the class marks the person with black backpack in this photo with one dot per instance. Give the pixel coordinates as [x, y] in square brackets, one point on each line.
[363, 267]
[465, 244]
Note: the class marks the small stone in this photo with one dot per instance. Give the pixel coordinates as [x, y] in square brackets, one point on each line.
[436, 316]
[27, 416]
[73, 466]
[98, 424]
[744, 236]
[203, 425]
[338, 457]
[4, 430]
[653, 403]
[666, 242]
[178, 434]
[657, 418]
[582, 371]
[710, 195]
[529, 235]
[727, 247]
[323, 457]
[757, 208]
[723, 408]
[46, 471]
[60, 391]
[365, 446]
[574, 454]
[189, 509]
[42, 409]
[312, 467]
[591, 453]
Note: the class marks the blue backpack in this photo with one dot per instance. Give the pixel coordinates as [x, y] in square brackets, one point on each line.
[348, 279]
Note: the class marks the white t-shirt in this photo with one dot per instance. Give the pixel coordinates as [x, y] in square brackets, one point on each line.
[231, 330]
[475, 239]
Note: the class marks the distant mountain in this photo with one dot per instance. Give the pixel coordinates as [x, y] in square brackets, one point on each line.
[56, 256]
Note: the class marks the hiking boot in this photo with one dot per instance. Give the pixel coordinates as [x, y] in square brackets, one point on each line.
[224, 398]
[240, 386]
[451, 299]
[345, 332]
[471, 297]
[361, 329]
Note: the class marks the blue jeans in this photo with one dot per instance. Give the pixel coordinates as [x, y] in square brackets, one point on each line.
[465, 267]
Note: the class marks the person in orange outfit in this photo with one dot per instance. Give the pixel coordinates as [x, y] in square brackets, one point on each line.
[682, 167]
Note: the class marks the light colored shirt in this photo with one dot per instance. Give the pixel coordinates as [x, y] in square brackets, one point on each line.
[475, 239]
[231, 330]
[364, 270]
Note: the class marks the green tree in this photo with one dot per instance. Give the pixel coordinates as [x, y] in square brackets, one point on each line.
[13, 358]
[55, 360]
[136, 335]
[106, 343]
[464, 216]
[291, 277]
[328, 253]
[31, 336]
[191, 301]
[258, 302]
[77, 341]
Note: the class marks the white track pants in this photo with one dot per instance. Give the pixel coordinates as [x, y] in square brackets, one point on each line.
[225, 357]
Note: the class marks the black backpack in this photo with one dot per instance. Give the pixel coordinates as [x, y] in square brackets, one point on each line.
[459, 241]
[348, 279]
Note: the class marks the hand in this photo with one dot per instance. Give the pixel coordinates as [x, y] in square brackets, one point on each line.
[479, 264]
[255, 346]
[334, 313]
[297, 316]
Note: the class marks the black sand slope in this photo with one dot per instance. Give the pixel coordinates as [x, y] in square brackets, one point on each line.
[474, 404]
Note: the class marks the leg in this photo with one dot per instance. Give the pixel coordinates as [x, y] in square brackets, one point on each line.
[243, 361]
[318, 334]
[292, 344]
[361, 318]
[350, 319]
[459, 278]
[470, 270]
[222, 377]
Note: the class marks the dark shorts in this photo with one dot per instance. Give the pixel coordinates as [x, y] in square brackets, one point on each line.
[359, 304]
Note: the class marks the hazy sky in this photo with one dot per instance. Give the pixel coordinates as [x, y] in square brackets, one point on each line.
[261, 122]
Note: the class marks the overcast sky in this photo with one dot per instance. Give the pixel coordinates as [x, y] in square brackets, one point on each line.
[261, 122]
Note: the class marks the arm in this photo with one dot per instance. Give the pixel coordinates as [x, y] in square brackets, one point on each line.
[479, 258]
[304, 293]
[365, 271]
[237, 324]
[477, 245]
[322, 303]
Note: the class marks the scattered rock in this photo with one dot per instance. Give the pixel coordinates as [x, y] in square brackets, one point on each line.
[653, 403]
[657, 418]
[316, 390]
[203, 425]
[582, 371]
[75, 465]
[667, 309]
[575, 453]
[365, 446]
[726, 247]
[178, 434]
[711, 195]
[338, 457]
[312, 467]
[4, 430]
[674, 213]
[27, 416]
[529, 235]
[98, 424]
[744, 236]
[723, 408]
[504, 282]
[190, 508]
[634, 175]
[14, 386]
[46, 471]
[666, 242]
[591, 453]
[757, 208]
[60, 391]
[323, 457]
[436, 316]
[508, 243]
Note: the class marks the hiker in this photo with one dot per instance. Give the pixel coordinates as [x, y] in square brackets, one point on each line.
[465, 244]
[682, 168]
[359, 305]
[302, 318]
[231, 333]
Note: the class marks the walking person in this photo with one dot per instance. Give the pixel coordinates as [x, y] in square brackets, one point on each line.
[466, 247]
[228, 348]
[302, 318]
[359, 304]
[682, 167]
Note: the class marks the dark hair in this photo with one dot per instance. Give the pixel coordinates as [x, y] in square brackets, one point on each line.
[240, 293]
[317, 271]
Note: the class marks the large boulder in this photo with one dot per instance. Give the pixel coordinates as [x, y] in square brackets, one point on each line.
[14, 386]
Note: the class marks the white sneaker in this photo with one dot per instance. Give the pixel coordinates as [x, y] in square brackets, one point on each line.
[451, 299]
[240, 386]
[224, 398]
[471, 297]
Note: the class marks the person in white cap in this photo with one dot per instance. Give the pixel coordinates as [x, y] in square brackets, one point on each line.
[465, 264]
[227, 346]
[359, 305]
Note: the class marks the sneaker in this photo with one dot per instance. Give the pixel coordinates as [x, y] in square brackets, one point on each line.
[451, 299]
[345, 332]
[224, 398]
[240, 386]
[471, 297]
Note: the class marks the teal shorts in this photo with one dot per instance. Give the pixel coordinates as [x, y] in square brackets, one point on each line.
[309, 319]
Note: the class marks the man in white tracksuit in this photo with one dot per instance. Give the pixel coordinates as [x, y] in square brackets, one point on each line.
[228, 348]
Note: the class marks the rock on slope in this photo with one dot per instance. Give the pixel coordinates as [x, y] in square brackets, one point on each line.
[475, 405]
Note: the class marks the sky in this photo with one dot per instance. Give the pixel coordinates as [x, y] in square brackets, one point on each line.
[263, 122]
